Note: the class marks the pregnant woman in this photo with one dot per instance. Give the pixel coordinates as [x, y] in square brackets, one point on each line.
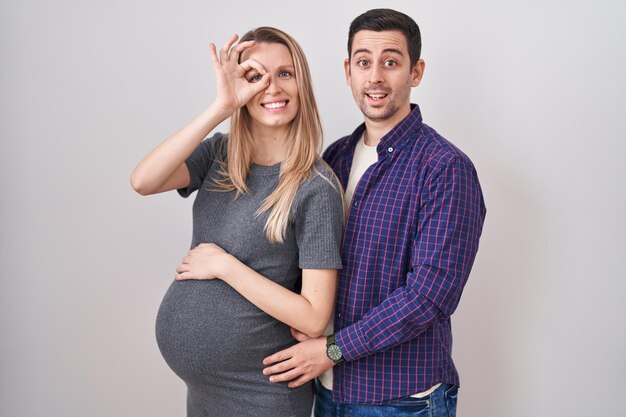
[267, 224]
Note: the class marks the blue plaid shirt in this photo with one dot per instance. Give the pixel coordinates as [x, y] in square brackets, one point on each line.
[410, 241]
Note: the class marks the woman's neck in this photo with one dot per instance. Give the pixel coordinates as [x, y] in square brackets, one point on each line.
[269, 146]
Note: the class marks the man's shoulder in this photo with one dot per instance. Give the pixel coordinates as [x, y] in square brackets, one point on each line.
[435, 150]
[335, 147]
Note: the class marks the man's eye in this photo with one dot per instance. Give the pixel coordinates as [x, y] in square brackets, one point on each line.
[390, 63]
[362, 63]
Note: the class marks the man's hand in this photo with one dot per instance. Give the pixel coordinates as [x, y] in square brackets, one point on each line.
[300, 363]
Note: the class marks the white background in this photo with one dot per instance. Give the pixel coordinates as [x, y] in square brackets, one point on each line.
[532, 91]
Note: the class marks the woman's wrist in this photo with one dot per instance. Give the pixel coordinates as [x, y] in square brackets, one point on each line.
[228, 267]
[219, 111]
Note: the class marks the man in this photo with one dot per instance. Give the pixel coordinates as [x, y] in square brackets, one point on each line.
[415, 216]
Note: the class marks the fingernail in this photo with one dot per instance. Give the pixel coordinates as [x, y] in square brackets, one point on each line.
[271, 379]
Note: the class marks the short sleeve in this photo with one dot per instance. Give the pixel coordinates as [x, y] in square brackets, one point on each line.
[318, 222]
[199, 163]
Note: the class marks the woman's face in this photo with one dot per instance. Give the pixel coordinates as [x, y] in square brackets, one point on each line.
[273, 109]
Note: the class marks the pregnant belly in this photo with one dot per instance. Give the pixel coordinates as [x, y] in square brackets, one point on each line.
[207, 332]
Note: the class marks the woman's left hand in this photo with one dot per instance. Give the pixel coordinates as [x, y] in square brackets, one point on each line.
[205, 261]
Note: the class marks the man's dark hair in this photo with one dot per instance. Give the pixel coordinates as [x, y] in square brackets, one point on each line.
[379, 20]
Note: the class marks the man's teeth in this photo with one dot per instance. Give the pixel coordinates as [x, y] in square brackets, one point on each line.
[377, 96]
[275, 105]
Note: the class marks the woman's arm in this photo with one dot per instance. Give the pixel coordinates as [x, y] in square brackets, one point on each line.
[309, 312]
[164, 168]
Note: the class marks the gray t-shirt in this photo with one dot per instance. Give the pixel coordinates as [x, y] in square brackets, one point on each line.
[210, 335]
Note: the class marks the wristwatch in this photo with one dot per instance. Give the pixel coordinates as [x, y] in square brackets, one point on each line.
[332, 350]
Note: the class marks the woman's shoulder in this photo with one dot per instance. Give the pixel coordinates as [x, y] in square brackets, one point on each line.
[322, 178]
[321, 191]
[214, 146]
[217, 141]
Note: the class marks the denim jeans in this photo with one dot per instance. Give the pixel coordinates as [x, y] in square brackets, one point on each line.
[440, 403]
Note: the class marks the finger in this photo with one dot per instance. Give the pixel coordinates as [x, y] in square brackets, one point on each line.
[187, 259]
[214, 58]
[280, 367]
[281, 356]
[226, 48]
[287, 376]
[300, 381]
[187, 275]
[236, 51]
[250, 64]
[257, 87]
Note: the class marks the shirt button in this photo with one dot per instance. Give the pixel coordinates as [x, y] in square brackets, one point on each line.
[390, 149]
[355, 204]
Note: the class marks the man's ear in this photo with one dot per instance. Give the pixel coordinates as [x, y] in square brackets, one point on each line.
[346, 67]
[417, 73]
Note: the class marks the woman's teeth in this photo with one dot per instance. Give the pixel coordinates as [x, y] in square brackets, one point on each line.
[276, 105]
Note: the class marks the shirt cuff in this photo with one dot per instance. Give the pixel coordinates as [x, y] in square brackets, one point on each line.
[352, 343]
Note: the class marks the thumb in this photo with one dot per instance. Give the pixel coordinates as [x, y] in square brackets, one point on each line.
[261, 85]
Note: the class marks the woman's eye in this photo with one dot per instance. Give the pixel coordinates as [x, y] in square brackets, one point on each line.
[254, 78]
[285, 74]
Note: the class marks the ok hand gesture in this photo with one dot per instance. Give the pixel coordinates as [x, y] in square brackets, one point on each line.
[233, 89]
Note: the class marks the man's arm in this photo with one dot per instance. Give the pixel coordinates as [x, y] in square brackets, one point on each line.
[448, 230]
[449, 227]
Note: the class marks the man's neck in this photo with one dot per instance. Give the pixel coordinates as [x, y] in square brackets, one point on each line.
[376, 129]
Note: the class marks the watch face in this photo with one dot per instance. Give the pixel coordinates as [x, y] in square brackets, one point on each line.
[334, 353]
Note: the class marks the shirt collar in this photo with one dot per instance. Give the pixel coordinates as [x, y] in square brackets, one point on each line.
[396, 138]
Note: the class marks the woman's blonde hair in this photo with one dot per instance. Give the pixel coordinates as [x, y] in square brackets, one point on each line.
[303, 140]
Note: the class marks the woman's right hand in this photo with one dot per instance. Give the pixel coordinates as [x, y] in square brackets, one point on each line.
[234, 90]
[164, 168]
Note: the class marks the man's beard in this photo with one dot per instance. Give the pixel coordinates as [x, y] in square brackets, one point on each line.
[381, 113]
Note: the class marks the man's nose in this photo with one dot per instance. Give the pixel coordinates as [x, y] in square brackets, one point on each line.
[376, 75]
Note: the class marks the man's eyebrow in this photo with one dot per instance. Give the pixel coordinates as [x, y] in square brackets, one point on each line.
[394, 51]
[386, 50]
[361, 50]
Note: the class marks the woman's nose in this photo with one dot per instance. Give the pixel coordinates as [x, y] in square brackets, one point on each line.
[274, 86]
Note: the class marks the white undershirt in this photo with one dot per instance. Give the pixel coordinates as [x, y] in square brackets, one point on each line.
[364, 157]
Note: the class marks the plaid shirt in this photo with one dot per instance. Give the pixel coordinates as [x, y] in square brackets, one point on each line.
[410, 241]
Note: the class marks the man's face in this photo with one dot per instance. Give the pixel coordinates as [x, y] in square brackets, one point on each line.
[380, 74]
